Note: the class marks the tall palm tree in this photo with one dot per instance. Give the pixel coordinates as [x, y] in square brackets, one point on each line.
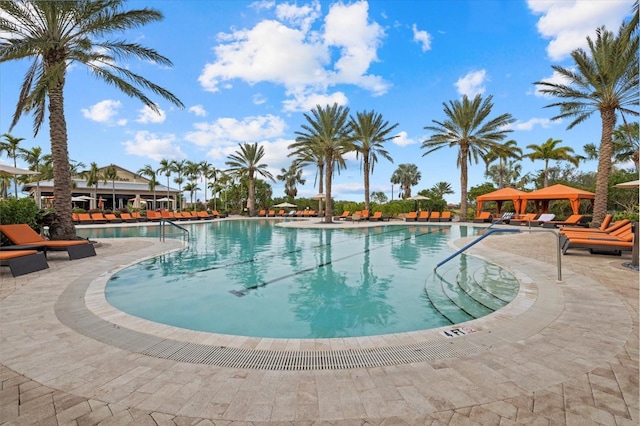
[110, 174]
[12, 148]
[206, 170]
[625, 145]
[166, 168]
[35, 160]
[328, 127]
[550, 151]
[406, 175]
[604, 79]
[179, 167]
[469, 128]
[57, 35]
[502, 153]
[191, 187]
[442, 188]
[370, 132]
[291, 178]
[92, 176]
[149, 172]
[246, 163]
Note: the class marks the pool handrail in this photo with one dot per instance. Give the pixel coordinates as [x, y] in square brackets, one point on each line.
[474, 242]
[164, 221]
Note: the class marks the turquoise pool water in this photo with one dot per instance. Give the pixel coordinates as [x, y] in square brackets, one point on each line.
[253, 278]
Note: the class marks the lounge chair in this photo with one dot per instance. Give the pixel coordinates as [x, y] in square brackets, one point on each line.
[411, 217]
[523, 219]
[271, 213]
[574, 219]
[445, 216]
[434, 217]
[542, 219]
[23, 234]
[280, 213]
[377, 216]
[22, 262]
[98, 218]
[614, 243]
[570, 230]
[112, 218]
[152, 215]
[617, 232]
[84, 218]
[423, 216]
[483, 217]
[344, 216]
[137, 216]
[603, 226]
[214, 214]
[364, 214]
[127, 217]
[75, 218]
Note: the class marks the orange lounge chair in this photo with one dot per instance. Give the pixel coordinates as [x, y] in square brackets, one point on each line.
[98, 218]
[127, 217]
[281, 213]
[112, 218]
[621, 232]
[262, 213]
[590, 231]
[22, 262]
[377, 216]
[140, 218]
[364, 215]
[203, 215]
[344, 215]
[152, 215]
[574, 219]
[603, 226]
[271, 213]
[434, 217]
[166, 214]
[411, 217]
[84, 218]
[523, 219]
[445, 216]
[483, 217]
[423, 216]
[22, 234]
[604, 244]
[75, 218]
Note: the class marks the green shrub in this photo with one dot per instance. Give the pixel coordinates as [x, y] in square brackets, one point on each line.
[19, 210]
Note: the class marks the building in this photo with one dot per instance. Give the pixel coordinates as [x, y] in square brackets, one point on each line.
[128, 189]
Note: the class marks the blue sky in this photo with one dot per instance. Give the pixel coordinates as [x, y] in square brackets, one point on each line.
[248, 71]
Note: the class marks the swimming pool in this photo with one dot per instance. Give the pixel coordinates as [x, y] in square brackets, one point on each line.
[253, 278]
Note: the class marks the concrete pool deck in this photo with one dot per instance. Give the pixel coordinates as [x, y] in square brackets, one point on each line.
[562, 353]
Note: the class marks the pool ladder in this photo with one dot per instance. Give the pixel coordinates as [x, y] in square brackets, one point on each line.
[164, 222]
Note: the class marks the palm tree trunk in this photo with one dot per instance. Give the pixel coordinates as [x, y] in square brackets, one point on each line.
[546, 173]
[365, 169]
[604, 167]
[63, 228]
[251, 202]
[328, 205]
[463, 184]
[320, 189]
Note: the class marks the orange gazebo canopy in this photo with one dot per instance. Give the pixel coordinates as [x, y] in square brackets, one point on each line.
[560, 192]
[504, 194]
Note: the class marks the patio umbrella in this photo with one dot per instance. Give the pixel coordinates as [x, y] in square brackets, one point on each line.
[634, 184]
[417, 198]
[285, 205]
[319, 197]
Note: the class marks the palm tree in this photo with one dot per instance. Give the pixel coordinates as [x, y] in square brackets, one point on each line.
[92, 177]
[291, 177]
[307, 152]
[502, 153]
[406, 175]
[604, 80]
[625, 145]
[550, 151]
[57, 35]
[441, 189]
[35, 160]
[246, 162]
[179, 167]
[370, 132]
[468, 127]
[149, 172]
[207, 171]
[329, 129]
[11, 147]
[192, 187]
[166, 167]
[510, 174]
[110, 174]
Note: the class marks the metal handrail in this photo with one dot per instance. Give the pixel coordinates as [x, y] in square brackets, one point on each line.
[493, 230]
[163, 222]
[474, 242]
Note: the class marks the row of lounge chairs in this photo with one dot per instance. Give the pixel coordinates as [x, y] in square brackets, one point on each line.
[545, 220]
[153, 216]
[608, 239]
[28, 250]
[426, 216]
[361, 215]
[292, 213]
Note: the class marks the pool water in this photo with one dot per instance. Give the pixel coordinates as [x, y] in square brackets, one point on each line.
[253, 278]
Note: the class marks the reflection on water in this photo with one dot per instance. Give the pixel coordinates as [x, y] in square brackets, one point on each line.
[256, 279]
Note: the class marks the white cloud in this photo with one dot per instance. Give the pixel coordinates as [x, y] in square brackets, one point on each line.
[198, 110]
[568, 23]
[545, 123]
[287, 52]
[307, 101]
[156, 147]
[147, 115]
[423, 38]
[403, 139]
[472, 84]
[103, 111]
[258, 99]
[226, 132]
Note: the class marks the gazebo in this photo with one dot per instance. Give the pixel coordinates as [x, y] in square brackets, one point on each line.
[504, 194]
[559, 192]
